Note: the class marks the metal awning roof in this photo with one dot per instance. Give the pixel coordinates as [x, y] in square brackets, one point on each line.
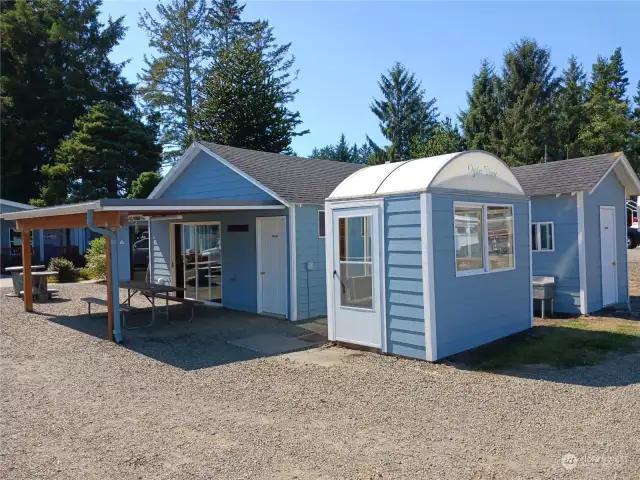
[145, 207]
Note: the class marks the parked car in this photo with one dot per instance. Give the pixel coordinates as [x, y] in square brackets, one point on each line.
[633, 237]
[141, 252]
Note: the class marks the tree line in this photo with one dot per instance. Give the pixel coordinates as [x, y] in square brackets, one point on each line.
[525, 113]
[73, 128]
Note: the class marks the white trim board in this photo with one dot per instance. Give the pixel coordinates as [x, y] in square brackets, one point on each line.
[626, 166]
[328, 243]
[582, 255]
[259, 284]
[428, 280]
[531, 266]
[293, 265]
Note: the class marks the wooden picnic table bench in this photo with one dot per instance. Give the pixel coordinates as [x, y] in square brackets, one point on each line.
[186, 301]
[100, 301]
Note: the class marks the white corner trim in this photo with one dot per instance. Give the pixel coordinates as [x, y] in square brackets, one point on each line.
[428, 290]
[243, 174]
[259, 263]
[329, 259]
[293, 265]
[175, 171]
[622, 160]
[626, 260]
[531, 262]
[582, 255]
[382, 260]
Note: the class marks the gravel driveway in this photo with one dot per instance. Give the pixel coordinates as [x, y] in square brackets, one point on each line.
[74, 406]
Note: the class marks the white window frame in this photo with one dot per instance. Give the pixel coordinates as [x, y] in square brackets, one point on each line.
[323, 223]
[485, 238]
[539, 237]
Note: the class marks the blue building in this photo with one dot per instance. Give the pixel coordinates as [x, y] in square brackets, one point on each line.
[264, 252]
[578, 228]
[46, 244]
[429, 257]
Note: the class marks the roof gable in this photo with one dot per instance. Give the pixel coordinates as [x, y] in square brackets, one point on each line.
[576, 175]
[286, 178]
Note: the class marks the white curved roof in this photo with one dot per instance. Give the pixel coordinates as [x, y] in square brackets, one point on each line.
[473, 171]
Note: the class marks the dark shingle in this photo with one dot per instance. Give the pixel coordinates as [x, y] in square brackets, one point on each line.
[564, 176]
[295, 179]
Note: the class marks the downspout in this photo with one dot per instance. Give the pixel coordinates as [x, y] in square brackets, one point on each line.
[117, 332]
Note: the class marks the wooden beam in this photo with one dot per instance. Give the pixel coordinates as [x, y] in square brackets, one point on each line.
[27, 280]
[110, 312]
[76, 220]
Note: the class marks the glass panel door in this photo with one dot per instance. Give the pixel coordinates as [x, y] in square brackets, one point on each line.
[202, 255]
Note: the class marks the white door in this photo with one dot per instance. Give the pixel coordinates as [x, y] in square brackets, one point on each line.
[608, 257]
[272, 265]
[356, 276]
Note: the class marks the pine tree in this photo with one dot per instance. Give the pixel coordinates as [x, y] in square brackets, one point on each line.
[169, 84]
[609, 115]
[634, 149]
[480, 122]
[570, 109]
[103, 156]
[446, 138]
[246, 94]
[527, 93]
[343, 152]
[54, 65]
[402, 112]
[142, 186]
[226, 23]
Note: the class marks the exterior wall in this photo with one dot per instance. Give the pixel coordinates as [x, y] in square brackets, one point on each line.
[239, 255]
[562, 263]
[477, 309]
[609, 193]
[207, 178]
[404, 320]
[310, 247]
[124, 254]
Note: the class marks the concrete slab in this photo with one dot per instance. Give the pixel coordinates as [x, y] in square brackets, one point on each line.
[324, 357]
[270, 344]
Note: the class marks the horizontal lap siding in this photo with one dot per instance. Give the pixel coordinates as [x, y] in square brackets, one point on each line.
[160, 251]
[562, 263]
[311, 284]
[609, 193]
[403, 253]
[207, 178]
[478, 309]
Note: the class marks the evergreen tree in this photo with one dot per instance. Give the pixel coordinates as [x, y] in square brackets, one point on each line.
[246, 94]
[570, 108]
[142, 186]
[609, 115]
[402, 112]
[54, 65]
[343, 152]
[480, 122]
[169, 83]
[103, 156]
[446, 138]
[634, 149]
[226, 23]
[528, 89]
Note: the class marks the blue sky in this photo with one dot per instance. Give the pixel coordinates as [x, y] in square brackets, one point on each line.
[342, 47]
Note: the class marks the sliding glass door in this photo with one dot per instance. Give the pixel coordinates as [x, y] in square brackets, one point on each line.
[202, 261]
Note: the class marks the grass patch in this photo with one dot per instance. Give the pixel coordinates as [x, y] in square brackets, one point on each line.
[562, 343]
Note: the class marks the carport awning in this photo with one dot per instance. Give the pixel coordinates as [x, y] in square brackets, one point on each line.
[113, 212]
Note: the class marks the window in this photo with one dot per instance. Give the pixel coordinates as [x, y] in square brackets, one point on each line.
[483, 238]
[542, 237]
[356, 283]
[321, 223]
[15, 238]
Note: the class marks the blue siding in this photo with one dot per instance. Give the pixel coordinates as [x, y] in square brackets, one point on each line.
[239, 255]
[311, 284]
[478, 309]
[124, 254]
[403, 255]
[207, 178]
[563, 262]
[609, 193]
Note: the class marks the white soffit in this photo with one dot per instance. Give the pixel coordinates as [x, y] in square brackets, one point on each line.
[473, 171]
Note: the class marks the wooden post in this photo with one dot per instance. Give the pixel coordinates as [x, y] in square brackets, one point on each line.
[27, 282]
[110, 312]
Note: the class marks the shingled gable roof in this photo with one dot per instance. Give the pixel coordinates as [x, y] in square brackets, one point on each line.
[291, 179]
[573, 175]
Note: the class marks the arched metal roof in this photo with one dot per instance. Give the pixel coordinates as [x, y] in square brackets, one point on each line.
[472, 171]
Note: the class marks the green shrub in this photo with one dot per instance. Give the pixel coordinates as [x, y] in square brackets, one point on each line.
[84, 274]
[64, 267]
[96, 258]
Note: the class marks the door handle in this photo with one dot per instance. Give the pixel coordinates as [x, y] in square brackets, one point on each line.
[613, 263]
[344, 287]
[261, 273]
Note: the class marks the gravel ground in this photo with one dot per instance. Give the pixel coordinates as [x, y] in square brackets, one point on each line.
[75, 406]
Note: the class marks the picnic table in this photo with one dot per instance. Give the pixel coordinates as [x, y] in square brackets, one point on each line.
[153, 291]
[16, 276]
[39, 285]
